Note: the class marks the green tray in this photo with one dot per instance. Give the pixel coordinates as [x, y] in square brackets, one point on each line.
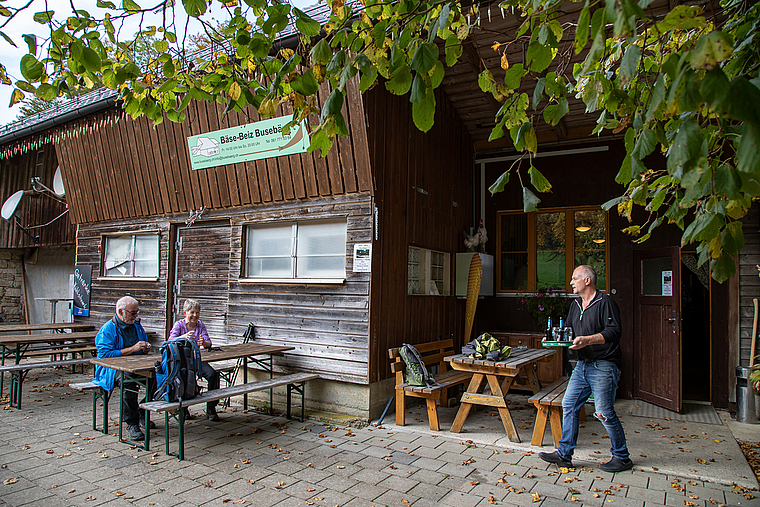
[556, 344]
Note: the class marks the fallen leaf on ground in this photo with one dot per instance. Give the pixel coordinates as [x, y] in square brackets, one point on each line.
[11, 480]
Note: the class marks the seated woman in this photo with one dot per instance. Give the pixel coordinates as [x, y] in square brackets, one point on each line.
[193, 329]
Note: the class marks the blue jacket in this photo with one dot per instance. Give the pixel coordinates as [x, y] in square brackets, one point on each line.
[109, 342]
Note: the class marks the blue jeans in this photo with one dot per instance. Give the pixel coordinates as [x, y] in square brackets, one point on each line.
[599, 378]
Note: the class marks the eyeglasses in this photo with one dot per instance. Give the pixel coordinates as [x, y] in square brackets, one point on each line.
[132, 313]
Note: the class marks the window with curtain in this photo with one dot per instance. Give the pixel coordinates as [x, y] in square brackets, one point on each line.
[131, 256]
[541, 249]
[296, 250]
[428, 272]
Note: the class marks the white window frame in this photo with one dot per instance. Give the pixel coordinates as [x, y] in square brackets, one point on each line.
[294, 227]
[131, 259]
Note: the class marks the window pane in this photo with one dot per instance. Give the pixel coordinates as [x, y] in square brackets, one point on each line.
[146, 256]
[321, 250]
[651, 275]
[550, 250]
[590, 243]
[118, 256]
[268, 251]
[514, 252]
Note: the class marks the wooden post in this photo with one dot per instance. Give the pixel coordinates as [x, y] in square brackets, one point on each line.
[754, 336]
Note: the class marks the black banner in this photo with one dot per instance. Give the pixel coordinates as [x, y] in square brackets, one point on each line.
[82, 284]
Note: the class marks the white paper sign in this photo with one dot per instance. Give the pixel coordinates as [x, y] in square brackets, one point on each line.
[667, 283]
[362, 257]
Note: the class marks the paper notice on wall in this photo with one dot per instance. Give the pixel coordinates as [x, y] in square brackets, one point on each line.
[667, 283]
[362, 257]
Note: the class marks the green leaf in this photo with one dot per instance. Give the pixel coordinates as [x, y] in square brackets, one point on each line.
[645, 144]
[682, 17]
[105, 5]
[513, 76]
[748, 150]
[732, 238]
[161, 45]
[500, 183]
[169, 69]
[538, 180]
[658, 199]
[16, 96]
[554, 113]
[424, 58]
[43, 17]
[530, 200]
[539, 57]
[31, 68]
[486, 81]
[630, 63]
[8, 39]
[400, 82]
[419, 89]
[722, 268]
[130, 6]
[306, 24]
[453, 50]
[581, 31]
[728, 182]
[332, 105]
[346, 73]
[305, 84]
[686, 147]
[194, 8]
[47, 91]
[423, 112]
[613, 202]
[321, 53]
[320, 141]
[31, 42]
[711, 49]
[538, 92]
[90, 60]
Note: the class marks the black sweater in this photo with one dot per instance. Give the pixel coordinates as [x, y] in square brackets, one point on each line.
[602, 315]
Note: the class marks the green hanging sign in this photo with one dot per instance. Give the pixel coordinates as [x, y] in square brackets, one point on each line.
[254, 141]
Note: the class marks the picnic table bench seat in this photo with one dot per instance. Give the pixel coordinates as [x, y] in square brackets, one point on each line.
[98, 393]
[548, 403]
[294, 382]
[19, 372]
[432, 353]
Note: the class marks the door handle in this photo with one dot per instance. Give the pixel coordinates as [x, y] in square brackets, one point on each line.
[673, 319]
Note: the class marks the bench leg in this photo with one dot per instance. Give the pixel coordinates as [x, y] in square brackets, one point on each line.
[400, 408]
[299, 388]
[180, 418]
[540, 427]
[555, 417]
[100, 394]
[17, 382]
[432, 409]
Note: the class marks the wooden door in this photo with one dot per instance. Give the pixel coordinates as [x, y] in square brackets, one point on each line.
[657, 329]
[201, 272]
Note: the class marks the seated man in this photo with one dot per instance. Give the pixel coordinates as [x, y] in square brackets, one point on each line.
[123, 336]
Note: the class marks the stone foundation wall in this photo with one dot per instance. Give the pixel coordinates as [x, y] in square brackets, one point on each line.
[11, 297]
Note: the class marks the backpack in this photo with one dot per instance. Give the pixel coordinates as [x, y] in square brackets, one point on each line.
[487, 347]
[416, 373]
[178, 370]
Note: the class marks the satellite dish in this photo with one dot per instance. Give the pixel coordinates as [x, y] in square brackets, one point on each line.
[10, 205]
[58, 183]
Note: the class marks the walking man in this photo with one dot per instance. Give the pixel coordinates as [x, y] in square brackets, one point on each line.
[595, 319]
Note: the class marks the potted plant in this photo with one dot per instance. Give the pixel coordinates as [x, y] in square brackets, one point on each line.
[546, 302]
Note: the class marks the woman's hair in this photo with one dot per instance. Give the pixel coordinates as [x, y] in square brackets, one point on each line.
[191, 304]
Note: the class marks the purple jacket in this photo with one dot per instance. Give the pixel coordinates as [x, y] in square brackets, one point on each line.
[180, 328]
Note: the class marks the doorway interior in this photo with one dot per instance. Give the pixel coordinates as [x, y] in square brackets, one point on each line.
[695, 314]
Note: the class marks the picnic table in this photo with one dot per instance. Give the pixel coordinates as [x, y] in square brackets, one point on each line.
[16, 346]
[48, 326]
[507, 369]
[141, 367]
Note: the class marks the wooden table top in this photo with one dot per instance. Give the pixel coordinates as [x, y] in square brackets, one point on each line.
[13, 339]
[20, 328]
[518, 359]
[143, 363]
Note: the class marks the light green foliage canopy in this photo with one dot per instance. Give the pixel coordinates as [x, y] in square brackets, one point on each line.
[684, 83]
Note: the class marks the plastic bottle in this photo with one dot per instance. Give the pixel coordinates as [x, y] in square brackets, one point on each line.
[561, 328]
[549, 329]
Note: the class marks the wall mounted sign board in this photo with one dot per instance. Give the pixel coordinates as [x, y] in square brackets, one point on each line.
[254, 141]
[82, 284]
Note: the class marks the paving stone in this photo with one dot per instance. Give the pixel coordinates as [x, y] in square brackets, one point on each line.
[458, 499]
[401, 484]
[646, 495]
[366, 491]
[393, 497]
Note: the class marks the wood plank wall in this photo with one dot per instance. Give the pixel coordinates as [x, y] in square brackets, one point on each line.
[327, 324]
[131, 168]
[423, 195]
[749, 283]
[34, 208]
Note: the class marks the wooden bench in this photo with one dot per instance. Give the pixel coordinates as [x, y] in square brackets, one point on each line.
[432, 353]
[19, 371]
[548, 403]
[98, 393]
[294, 382]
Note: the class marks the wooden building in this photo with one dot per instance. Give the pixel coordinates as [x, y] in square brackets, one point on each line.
[155, 229]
